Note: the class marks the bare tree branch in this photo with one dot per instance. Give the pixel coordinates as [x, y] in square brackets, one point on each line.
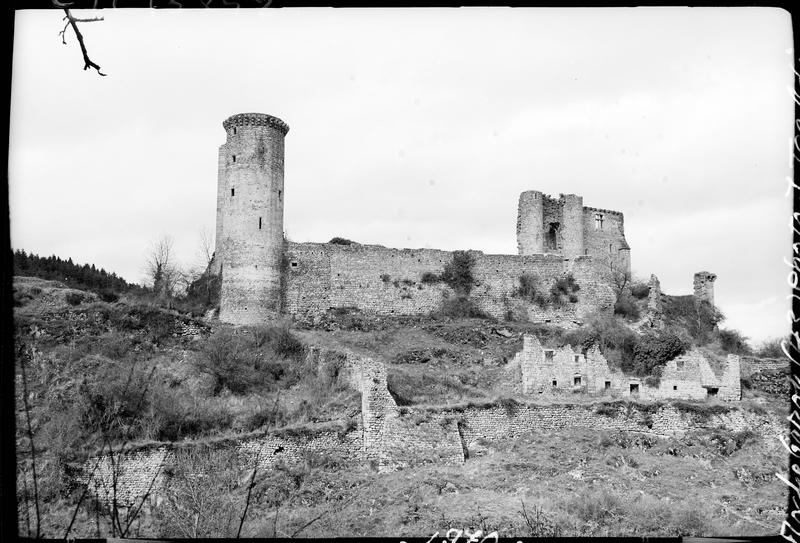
[72, 21]
[162, 270]
[30, 440]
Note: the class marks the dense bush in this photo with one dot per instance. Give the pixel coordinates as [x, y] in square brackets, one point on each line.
[245, 362]
[616, 341]
[625, 307]
[108, 295]
[771, 348]
[202, 294]
[640, 291]
[462, 307]
[529, 290]
[458, 272]
[341, 241]
[698, 319]
[732, 341]
[564, 287]
[73, 298]
[652, 351]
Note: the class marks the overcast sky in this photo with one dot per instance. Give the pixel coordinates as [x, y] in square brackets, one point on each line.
[419, 128]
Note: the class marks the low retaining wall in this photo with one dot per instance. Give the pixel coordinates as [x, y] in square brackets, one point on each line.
[392, 437]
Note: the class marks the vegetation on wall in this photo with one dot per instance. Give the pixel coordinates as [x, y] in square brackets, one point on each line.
[530, 290]
[563, 290]
[652, 351]
[458, 273]
[634, 354]
[733, 342]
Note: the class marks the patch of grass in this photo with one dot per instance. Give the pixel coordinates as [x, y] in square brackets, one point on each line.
[462, 307]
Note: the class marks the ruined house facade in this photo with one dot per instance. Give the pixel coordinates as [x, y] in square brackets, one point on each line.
[561, 370]
[264, 276]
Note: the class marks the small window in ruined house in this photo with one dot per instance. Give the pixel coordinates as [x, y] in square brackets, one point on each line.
[634, 388]
[608, 385]
[610, 248]
[259, 223]
[598, 221]
[548, 355]
[294, 264]
[674, 387]
[555, 383]
[577, 357]
[232, 192]
[234, 131]
[712, 392]
[577, 381]
[234, 158]
[279, 193]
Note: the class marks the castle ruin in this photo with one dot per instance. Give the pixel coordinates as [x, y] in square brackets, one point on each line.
[264, 276]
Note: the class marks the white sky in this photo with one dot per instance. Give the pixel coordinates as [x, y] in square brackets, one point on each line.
[419, 128]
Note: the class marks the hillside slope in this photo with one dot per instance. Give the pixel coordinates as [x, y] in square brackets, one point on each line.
[129, 373]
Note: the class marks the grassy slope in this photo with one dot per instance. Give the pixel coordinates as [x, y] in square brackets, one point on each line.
[586, 483]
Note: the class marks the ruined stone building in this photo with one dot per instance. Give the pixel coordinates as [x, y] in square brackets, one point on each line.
[689, 376]
[263, 276]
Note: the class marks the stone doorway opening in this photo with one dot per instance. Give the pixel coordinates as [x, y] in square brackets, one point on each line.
[551, 238]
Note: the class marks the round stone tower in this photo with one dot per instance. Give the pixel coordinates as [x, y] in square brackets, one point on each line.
[530, 223]
[250, 196]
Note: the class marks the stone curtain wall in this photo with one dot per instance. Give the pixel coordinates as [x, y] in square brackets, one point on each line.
[308, 272]
[562, 370]
[752, 364]
[389, 281]
[463, 427]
